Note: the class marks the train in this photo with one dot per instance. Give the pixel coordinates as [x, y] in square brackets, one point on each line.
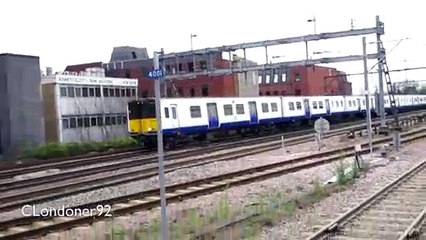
[187, 119]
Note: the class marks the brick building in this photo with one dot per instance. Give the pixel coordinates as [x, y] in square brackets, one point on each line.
[304, 80]
[202, 85]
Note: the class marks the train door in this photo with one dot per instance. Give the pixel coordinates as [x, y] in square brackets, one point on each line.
[327, 106]
[212, 114]
[307, 107]
[253, 112]
[174, 120]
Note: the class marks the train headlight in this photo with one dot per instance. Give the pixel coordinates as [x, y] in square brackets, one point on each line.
[150, 129]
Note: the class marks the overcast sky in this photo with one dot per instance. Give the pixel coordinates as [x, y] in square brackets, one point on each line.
[64, 32]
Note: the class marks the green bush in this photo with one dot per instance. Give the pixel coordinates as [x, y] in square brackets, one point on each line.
[56, 150]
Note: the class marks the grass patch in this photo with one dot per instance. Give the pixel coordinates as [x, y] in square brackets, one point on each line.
[57, 150]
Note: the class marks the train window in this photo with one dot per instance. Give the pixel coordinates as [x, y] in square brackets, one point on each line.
[291, 106]
[63, 91]
[227, 108]
[174, 112]
[166, 112]
[341, 103]
[79, 122]
[363, 102]
[85, 92]
[332, 103]
[117, 92]
[71, 92]
[119, 120]
[91, 92]
[240, 108]
[86, 122]
[100, 121]
[350, 103]
[265, 107]
[105, 92]
[107, 120]
[298, 105]
[73, 123]
[195, 111]
[78, 92]
[274, 107]
[65, 123]
[337, 103]
[124, 119]
[321, 104]
[354, 103]
[113, 120]
[314, 105]
[93, 121]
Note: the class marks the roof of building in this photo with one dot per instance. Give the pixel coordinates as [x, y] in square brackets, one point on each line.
[82, 67]
[17, 55]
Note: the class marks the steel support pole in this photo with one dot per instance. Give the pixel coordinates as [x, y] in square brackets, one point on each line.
[367, 94]
[380, 73]
[164, 225]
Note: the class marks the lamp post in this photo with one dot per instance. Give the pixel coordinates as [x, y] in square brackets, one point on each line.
[192, 36]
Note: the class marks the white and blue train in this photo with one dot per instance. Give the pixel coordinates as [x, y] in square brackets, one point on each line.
[199, 117]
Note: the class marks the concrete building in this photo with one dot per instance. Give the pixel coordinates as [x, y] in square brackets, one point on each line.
[21, 108]
[86, 106]
[213, 86]
[304, 81]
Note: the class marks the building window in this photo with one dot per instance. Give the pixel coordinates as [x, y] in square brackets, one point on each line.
[180, 92]
[276, 93]
[275, 78]
[192, 92]
[117, 93]
[133, 92]
[191, 67]
[268, 93]
[166, 112]
[260, 79]
[291, 106]
[71, 92]
[180, 67]
[93, 121]
[110, 92]
[107, 120]
[227, 108]
[98, 92]
[169, 92]
[127, 73]
[100, 121]
[298, 92]
[78, 92]
[105, 92]
[283, 77]
[65, 123]
[195, 111]
[128, 92]
[297, 77]
[113, 120]
[274, 107]
[260, 94]
[86, 122]
[79, 122]
[63, 91]
[203, 65]
[124, 119]
[119, 120]
[205, 90]
[298, 105]
[265, 107]
[85, 91]
[91, 92]
[73, 123]
[240, 108]
[123, 92]
[268, 79]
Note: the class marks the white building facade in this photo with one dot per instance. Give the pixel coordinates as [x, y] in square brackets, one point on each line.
[86, 106]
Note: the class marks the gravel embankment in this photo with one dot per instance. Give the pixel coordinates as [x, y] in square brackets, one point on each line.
[306, 221]
[185, 175]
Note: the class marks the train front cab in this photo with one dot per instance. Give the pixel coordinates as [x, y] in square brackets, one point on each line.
[142, 121]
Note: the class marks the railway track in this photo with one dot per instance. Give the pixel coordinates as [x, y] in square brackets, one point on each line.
[115, 160]
[35, 226]
[50, 188]
[396, 211]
